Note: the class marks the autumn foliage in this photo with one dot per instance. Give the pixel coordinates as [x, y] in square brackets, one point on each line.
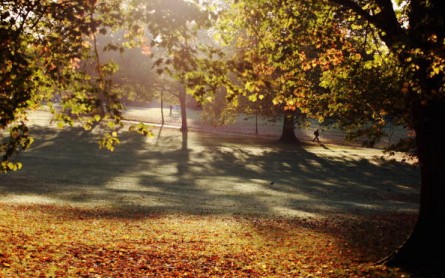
[57, 241]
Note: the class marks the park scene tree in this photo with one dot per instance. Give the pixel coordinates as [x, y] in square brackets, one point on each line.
[356, 68]
[352, 36]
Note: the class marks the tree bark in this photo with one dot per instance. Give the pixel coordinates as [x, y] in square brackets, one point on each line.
[162, 109]
[256, 123]
[424, 251]
[288, 134]
[182, 100]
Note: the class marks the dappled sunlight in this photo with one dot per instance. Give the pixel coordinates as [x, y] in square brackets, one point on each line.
[405, 188]
[248, 188]
[217, 196]
[313, 163]
[31, 199]
[119, 184]
[284, 211]
[254, 168]
[214, 174]
[325, 77]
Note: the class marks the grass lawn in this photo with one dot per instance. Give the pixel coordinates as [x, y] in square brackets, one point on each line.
[201, 205]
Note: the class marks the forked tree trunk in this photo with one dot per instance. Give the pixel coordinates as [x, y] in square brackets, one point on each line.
[424, 251]
[288, 134]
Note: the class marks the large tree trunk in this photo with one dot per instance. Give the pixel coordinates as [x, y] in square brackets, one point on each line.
[424, 251]
[288, 134]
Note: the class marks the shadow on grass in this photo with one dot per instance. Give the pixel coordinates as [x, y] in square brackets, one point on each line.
[207, 174]
[62, 164]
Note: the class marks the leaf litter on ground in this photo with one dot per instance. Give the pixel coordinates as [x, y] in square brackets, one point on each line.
[64, 241]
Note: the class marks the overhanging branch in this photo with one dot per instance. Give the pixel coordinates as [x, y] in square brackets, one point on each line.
[385, 20]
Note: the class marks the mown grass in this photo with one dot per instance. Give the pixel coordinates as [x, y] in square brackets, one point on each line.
[217, 202]
[63, 241]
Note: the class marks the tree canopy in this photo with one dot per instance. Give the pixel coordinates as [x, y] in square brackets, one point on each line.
[361, 63]
[43, 43]
[417, 40]
[52, 51]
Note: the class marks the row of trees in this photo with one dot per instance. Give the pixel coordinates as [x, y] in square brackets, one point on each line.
[358, 62]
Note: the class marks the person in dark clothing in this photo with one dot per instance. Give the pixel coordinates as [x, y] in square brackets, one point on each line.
[316, 133]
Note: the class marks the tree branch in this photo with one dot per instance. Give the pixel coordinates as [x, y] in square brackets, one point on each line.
[385, 20]
[356, 8]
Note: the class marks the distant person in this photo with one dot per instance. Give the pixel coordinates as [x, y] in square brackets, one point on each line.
[316, 133]
[171, 108]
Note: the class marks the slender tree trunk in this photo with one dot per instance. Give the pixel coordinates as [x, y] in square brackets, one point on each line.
[184, 141]
[288, 134]
[182, 100]
[424, 251]
[162, 109]
[256, 123]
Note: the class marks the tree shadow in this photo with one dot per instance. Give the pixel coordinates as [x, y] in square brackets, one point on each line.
[234, 176]
[214, 174]
[324, 146]
[67, 165]
[208, 174]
